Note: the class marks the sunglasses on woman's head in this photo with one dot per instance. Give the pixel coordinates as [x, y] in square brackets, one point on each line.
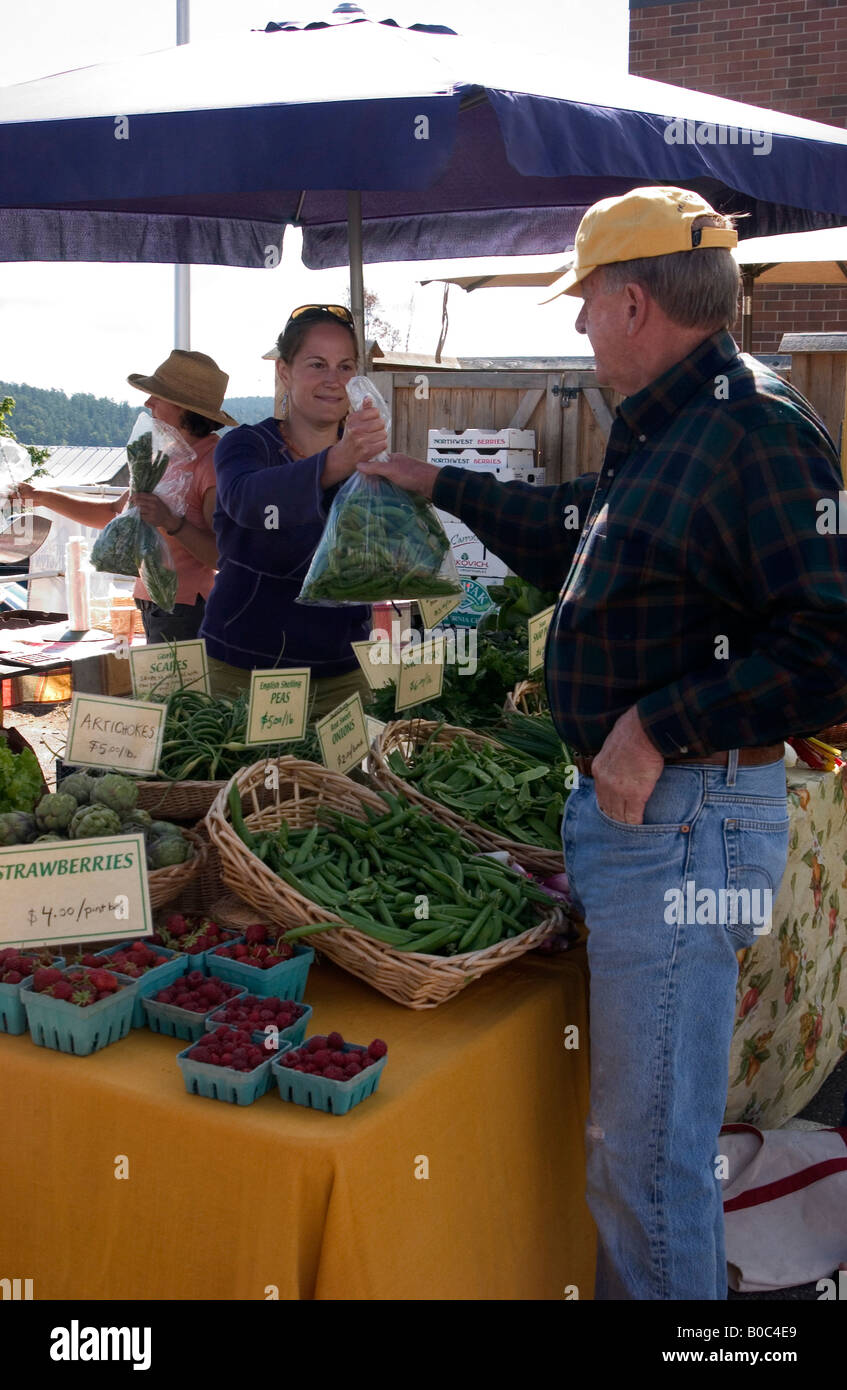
[338, 311]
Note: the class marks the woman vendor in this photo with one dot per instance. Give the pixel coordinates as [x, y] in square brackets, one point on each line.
[275, 484]
[185, 392]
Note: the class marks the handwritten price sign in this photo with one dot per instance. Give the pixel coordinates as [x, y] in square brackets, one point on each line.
[435, 610]
[538, 627]
[125, 735]
[167, 666]
[421, 675]
[375, 660]
[343, 736]
[73, 890]
[279, 702]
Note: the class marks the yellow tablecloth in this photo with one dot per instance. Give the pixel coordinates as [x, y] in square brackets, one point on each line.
[225, 1202]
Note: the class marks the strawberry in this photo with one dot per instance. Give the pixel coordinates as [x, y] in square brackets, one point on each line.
[12, 977]
[62, 989]
[257, 932]
[46, 977]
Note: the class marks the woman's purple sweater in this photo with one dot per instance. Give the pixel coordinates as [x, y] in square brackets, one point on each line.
[269, 517]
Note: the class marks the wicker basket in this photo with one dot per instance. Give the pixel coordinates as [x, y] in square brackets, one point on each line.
[177, 801]
[408, 734]
[416, 980]
[167, 884]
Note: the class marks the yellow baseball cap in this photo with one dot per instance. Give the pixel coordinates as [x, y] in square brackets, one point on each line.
[643, 222]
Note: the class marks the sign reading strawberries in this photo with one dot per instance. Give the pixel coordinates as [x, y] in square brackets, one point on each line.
[74, 890]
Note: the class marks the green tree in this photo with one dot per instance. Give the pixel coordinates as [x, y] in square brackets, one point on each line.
[39, 456]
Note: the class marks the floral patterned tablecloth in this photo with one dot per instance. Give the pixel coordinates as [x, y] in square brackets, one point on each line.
[791, 1024]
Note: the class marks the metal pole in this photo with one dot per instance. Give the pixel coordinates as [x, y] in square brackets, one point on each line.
[357, 283]
[182, 273]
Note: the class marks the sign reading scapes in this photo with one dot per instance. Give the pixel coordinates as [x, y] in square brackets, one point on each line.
[74, 889]
[167, 666]
[279, 702]
[124, 735]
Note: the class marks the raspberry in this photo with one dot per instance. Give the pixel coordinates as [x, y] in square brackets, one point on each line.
[316, 1044]
[335, 1041]
[377, 1049]
[322, 1057]
[333, 1074]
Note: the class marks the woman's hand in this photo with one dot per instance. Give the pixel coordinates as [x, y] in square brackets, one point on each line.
[25, 492]
[153, 509]
[364, 435]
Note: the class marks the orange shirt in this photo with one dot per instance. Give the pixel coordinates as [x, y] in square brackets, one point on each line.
[193, 577]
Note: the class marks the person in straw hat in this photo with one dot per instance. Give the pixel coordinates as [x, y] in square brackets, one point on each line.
[701, 621]
[186, 392]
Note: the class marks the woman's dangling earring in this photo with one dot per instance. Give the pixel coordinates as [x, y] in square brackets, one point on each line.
[284, 407]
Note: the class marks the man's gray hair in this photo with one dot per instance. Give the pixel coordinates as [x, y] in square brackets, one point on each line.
[695, 289]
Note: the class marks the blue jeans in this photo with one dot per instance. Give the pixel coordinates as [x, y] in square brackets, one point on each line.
[663, 982]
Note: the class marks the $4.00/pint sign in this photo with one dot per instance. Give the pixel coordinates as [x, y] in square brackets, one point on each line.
[70, 890]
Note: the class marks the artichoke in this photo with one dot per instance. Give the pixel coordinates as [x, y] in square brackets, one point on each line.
[78, 785]
[118, 793]
[43, 839]
[167, 851]
[17, 828]
[55, 810]
[139, 819]
[94, 820]
[164, 829]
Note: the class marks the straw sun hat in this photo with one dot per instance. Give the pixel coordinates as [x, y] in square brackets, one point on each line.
[191, 380]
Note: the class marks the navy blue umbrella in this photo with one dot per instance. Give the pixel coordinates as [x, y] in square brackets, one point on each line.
[204, 153]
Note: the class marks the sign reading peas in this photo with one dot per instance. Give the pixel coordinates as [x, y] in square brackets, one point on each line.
[279, 703]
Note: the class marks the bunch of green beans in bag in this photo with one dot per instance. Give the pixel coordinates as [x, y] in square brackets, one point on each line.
[380, 542]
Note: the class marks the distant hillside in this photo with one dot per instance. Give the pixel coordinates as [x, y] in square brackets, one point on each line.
[51, 417]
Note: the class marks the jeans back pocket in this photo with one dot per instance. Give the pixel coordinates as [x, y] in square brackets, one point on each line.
[756, 855]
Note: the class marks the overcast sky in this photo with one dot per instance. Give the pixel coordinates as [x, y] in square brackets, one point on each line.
[86, 327]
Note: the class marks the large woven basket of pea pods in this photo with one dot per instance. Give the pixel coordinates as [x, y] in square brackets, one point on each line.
[419, 980]
[406, 737]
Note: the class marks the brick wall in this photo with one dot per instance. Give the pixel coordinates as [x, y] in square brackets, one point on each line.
[788, 55]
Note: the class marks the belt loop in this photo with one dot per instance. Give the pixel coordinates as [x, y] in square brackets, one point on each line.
[731, 767]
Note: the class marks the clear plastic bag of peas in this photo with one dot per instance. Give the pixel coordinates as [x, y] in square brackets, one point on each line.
[379, 542]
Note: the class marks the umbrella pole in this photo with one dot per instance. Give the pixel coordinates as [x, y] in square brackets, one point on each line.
[357, 283]
[747, 282]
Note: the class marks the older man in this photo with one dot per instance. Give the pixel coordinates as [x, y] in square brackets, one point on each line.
[702, 619]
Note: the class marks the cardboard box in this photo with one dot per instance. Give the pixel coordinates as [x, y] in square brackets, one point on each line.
[481, 439]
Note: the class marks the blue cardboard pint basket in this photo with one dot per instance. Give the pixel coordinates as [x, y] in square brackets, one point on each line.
[153, 980]
[224, 1083]
[12, 1011]
[66, 1027]
[294, 1034]
[322, 1092]
[175, 1022]
[199, 960]
[284, 981]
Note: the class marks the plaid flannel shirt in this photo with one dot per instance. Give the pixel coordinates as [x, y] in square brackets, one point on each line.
[698, 578]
